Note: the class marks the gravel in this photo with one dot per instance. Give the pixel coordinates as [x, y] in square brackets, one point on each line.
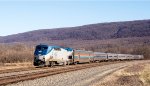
[76, 78]
[84, 77]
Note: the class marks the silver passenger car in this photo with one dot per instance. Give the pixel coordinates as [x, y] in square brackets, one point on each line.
[81, 56]
[112, 56]
[98, 56]
[122, 56]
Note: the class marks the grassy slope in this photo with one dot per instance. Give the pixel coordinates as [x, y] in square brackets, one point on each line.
[135, 75]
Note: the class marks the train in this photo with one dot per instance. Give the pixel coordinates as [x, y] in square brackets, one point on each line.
[45, 55]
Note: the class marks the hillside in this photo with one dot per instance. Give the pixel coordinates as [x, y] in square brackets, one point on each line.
[113, 30]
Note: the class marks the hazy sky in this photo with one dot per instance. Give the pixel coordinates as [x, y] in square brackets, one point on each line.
[27, 15]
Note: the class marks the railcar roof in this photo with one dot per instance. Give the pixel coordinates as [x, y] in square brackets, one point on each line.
[99, 53]
[83, 50]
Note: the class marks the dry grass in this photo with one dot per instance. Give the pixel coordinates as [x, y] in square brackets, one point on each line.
[135, 75]
[120, 80]
[6, 66]
[145, 75]
[15, 53]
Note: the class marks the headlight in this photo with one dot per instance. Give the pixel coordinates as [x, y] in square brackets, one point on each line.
[41, 57]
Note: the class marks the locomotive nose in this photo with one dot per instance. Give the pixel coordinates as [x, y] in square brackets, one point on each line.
[39, 60]
[42, 58]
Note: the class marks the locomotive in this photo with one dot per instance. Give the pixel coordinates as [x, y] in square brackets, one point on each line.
[50, 55]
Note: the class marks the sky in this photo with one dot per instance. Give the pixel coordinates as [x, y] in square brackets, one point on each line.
[18, 16]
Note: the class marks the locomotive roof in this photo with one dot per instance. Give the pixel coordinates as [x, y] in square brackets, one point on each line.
[53, 46]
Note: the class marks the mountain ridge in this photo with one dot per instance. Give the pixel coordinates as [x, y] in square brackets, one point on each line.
[99, 31]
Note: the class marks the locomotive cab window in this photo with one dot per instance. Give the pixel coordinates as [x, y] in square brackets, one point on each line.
[58, 49]
[41, 48]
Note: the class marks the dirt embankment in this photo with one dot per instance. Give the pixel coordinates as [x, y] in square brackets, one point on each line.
[134, 75]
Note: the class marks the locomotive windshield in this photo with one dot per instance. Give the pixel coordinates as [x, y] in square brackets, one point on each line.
[41, 50]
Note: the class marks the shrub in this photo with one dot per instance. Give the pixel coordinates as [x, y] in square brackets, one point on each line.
[15, 53]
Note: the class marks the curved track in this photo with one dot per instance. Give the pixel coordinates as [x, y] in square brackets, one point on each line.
[43, 72]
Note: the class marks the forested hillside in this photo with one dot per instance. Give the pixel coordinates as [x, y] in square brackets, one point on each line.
[99, 31]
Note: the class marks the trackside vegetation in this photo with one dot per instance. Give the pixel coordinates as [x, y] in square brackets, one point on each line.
[20, 52]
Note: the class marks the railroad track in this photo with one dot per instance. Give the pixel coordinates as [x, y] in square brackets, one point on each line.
[48, 72]
[21, 69]
[33, 75]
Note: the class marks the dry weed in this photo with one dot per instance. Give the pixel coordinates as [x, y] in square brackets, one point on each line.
[145, 75]
[134, 75]
[15, 53]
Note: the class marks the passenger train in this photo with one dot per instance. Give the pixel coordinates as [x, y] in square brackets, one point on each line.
[45, 55]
